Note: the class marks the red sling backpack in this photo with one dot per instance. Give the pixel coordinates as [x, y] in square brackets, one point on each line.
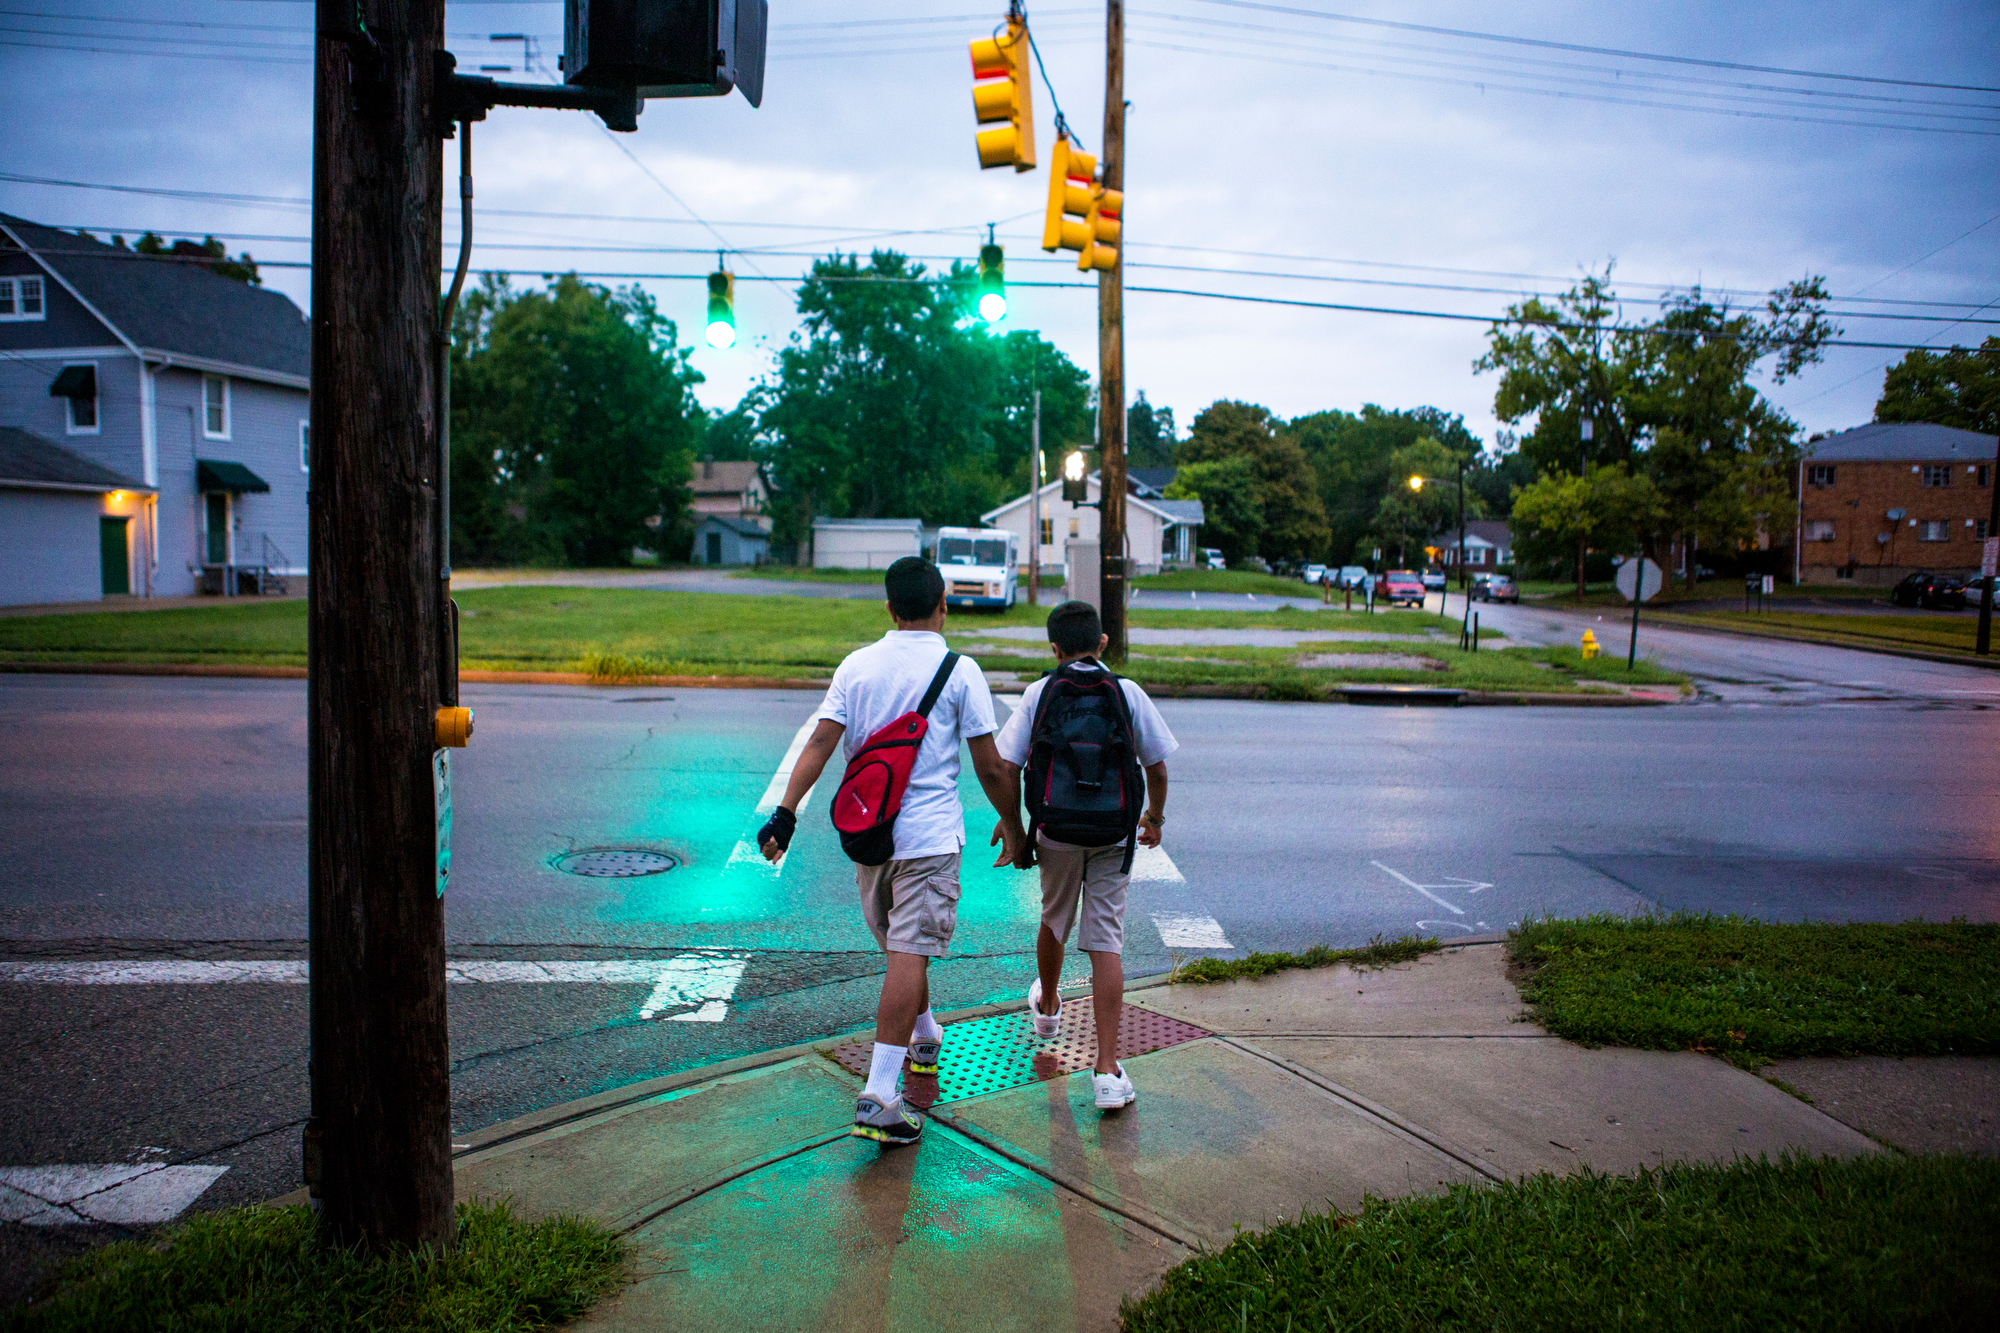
[870, 795]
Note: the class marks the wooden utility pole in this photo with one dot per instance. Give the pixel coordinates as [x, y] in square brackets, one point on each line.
[378, 1147]
[1035, 503]
[1111, 351]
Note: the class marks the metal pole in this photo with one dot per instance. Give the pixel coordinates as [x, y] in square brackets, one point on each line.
[378, 1143]
[1461, 525]
[1111, 352]
[1035, 503]
[1984, 645]
[1638, 592]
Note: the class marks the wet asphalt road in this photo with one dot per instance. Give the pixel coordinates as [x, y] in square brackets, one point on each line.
[150, 819]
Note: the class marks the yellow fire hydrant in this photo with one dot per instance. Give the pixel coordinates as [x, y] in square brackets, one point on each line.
[1589, 645]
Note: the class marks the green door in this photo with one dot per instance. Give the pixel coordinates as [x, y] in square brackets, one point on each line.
[218, 527]
[115, 555]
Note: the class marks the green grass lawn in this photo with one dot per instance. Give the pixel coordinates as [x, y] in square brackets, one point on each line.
[1753, 992]
[1224, 580]
[1926, 633]
[1799, 1244]
[266, 1269]
[625, 633]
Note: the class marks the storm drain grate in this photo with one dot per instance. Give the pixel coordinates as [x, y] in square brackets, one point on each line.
[985, 1055]
[629, 864]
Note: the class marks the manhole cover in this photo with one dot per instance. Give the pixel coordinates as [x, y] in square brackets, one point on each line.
[615, 864]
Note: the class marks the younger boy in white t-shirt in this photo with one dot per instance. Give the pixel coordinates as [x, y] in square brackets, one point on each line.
[1089, 881]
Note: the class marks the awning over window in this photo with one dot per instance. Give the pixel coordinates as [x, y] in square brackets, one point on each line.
[75, 382]
[215, 475]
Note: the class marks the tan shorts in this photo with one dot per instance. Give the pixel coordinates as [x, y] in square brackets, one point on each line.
[912, 905]
[1090, 878]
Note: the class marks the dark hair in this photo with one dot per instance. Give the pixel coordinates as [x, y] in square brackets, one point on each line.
[915, 588]
[1074, 628]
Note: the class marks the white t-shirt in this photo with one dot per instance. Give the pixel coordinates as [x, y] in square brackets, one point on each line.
[878, 684]
[1149, 729]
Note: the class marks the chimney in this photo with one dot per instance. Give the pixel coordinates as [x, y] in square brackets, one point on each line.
[708, 467]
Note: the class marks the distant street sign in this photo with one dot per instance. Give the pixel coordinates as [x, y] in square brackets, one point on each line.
[1770, 584]
[1989, 561]
[1631, 572]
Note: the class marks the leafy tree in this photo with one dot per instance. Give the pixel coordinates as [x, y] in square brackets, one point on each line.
[572, 424]
[1149, 434]
[1956, 388]
[885, 403]
[1410, 517]
[241, 269]
[1718, 447]
[730, 436]
[1232, 512]
[1497, 473]
[1029, 362]
[1350, 456]
[1560, 514]
[1293, 520]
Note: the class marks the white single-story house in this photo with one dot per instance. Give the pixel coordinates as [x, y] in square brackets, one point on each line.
[726, 539]
[864, 543]
[1489, 543]
[1157, 532]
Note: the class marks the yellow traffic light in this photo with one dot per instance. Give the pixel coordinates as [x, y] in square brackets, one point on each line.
[1082, 215]
[1002, 91]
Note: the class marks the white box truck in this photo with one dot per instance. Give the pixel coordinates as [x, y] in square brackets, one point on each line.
[981, 566]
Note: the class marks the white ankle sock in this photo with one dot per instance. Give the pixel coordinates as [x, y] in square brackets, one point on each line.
[883, 1069]
[927, 1027]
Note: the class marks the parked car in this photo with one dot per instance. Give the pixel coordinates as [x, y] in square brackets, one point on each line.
[1350, 576]
[1434, 580]
[1931, 591]
[1313, 574]
[1402, 585]
[1496, 588]
[1213, 558]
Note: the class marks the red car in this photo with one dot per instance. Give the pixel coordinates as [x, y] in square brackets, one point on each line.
[1402, 586]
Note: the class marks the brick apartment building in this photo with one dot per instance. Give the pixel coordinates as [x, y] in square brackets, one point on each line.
[1884, 499]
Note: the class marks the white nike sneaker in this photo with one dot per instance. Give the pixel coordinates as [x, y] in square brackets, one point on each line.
[1046, 1025]
[1113, 1090]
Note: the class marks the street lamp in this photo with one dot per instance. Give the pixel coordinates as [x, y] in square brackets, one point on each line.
[1417, 485]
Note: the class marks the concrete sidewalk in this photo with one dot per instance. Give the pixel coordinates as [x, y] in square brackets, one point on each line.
[749, 1206]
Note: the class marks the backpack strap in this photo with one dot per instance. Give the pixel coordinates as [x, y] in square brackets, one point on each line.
[945, 668]
[1132, 745]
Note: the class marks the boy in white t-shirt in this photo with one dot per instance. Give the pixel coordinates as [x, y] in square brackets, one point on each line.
[911, 901]
[1089, 881]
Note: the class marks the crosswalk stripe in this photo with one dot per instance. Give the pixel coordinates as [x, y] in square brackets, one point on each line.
[700, 983]
[746, 851]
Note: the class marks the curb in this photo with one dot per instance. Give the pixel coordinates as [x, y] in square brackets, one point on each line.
[1913, 654]
[1469, 698]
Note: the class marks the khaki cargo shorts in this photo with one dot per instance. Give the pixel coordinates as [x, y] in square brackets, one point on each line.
[1086, 879]
[911, 906]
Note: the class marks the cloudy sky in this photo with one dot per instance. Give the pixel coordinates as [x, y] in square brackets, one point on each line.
[1288, 150]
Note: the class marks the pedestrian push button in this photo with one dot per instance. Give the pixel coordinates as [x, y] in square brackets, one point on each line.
[453, 727]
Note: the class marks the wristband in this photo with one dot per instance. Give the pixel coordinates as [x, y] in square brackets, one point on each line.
[1153, 821]
[778, 828]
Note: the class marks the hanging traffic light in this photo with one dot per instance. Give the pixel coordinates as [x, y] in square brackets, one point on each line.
[1082, 215]
[721, 309]
[1076, 486]
[1001, 91]
[992, 283]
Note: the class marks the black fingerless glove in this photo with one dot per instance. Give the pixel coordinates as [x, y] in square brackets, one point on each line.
[779, 829]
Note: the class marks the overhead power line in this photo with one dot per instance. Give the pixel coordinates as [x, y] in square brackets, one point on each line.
[1618, 52]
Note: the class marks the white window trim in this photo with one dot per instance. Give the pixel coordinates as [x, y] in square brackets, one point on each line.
[69, 404]
[305, 447]
[227, 407]
[17, 286]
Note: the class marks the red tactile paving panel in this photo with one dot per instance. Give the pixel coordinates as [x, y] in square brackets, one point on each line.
[985, 1055]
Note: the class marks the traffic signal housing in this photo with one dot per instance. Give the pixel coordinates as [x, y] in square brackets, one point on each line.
[992, 283]
[1082, 215]
[721, 309]
[1002, 91]
[1076, 485]
[667, 48]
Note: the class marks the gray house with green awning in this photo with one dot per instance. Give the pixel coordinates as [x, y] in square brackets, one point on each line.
[189, 387]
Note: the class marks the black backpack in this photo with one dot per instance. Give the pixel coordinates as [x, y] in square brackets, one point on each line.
[1084, 781]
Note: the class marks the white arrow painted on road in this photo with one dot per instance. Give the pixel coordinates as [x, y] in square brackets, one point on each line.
[119, 1193]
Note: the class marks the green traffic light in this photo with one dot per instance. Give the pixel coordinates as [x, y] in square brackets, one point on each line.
[721, 310]
[992, 283]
